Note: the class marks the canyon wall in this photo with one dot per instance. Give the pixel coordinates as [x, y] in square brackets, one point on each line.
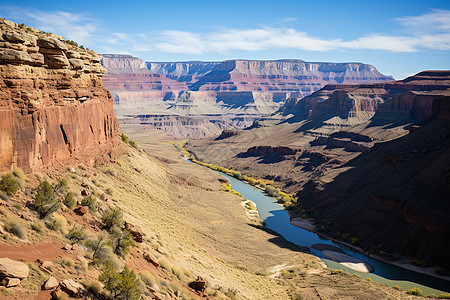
[410, 98]
[53, 105]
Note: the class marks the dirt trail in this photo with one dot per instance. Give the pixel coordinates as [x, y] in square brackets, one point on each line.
[30, 253]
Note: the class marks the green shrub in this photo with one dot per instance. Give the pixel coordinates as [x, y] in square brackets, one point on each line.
[45, 202]
[124, 138]
[91, 202]
[134, 144]
[9, 184]
[76, 234]
[121, 242]
[93, 287]
[69, 200]
[415, 291]
[112, 217]
[444, 296]
[123, 285]
[62, 186]
[397, 287]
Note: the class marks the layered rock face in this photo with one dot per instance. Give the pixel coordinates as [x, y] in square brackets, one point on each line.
[53, 105]
[236, 83]
[285, 76]
[125, 72]
[188, 72]
[411, 98]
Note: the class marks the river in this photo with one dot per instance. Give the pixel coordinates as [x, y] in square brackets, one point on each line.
[277, 219]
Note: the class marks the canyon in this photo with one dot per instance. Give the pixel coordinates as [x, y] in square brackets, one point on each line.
[201, 91]
[362, 159]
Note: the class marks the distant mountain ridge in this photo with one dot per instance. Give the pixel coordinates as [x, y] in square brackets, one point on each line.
[261, 85]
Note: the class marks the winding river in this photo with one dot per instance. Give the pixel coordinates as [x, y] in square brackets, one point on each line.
[277, 219]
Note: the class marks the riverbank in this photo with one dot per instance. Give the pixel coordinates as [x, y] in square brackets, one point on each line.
[308, 224]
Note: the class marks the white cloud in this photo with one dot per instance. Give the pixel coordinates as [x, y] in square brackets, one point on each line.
[71, 26]
[427, 31]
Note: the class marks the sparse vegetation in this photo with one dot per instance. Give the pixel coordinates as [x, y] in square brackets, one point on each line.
[69, 200]
[9, 184]
[91, 202]
[123, 285]
[15, 226]
[121, 242]
[58, 223]
[112, 217]
[124, 138]
[76, 234]
[45, 201]
[134, 144]
[415, 291]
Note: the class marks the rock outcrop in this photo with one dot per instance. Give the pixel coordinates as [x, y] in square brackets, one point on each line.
[189, 71]
[53, 105]
[411, 98]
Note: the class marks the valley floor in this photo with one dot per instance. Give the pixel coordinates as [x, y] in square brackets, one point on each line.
[208, 231]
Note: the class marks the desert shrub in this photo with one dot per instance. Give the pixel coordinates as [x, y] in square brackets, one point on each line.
[415, 291]
[91, 202]
[45, 202]
[92, 287]
[177, 271]
[38, 226]
[124, 138]
[134, 144]
[76, 234]
[69, 200]
[65, 261]
[15, 226]
[108, 191]
[147, 277]
[123, 285]
[112, 217]
[99, 247]
[444, 296]
[58, 223]
[397, 287]
[20, 176]
[164, 263]
[9, 184]
[121, 242]
[3, 196]
[61, 186]
[271, 191]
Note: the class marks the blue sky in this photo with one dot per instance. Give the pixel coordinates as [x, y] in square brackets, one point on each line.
[400, 38]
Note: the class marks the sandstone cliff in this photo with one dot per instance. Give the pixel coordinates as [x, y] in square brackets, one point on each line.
[285, 76]
[411, 98]
[53, 105]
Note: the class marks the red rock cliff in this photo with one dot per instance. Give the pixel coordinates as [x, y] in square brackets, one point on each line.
[53, 105]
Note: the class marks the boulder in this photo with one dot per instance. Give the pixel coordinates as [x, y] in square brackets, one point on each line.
[82, 210]
[71, 287]
[10, 282]
[13, 268]
[198, 285]
[50, 283]
[136, 232]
